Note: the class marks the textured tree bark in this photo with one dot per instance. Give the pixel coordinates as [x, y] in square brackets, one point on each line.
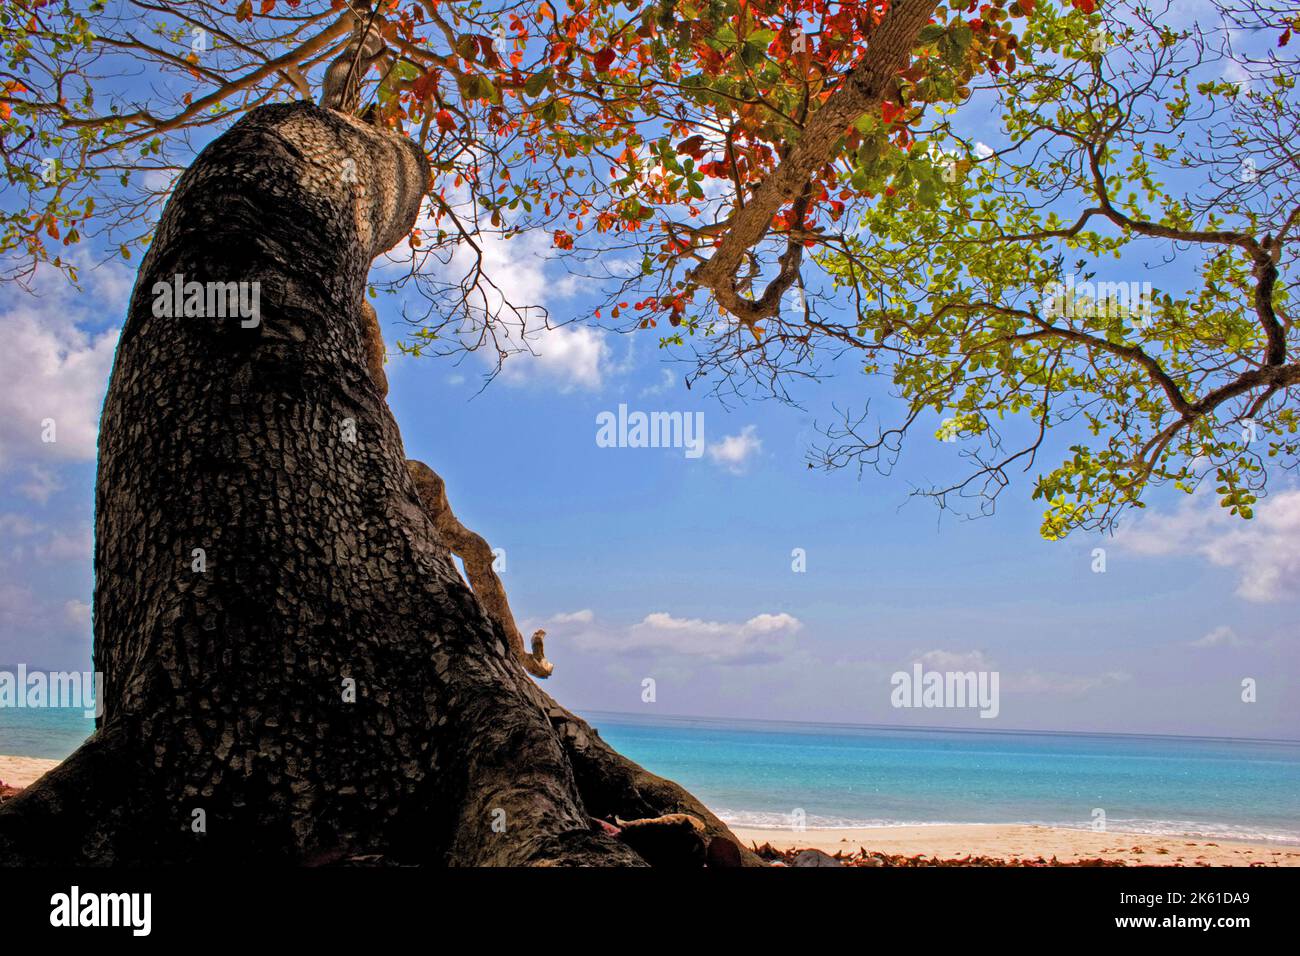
[228, 731]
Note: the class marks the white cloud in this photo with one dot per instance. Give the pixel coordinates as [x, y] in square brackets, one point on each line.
[26, 542]
[77, 614]
[1234, 72]
[1221, 636]
[733, 452]
[68, 546]
[941, 660]
[55, 370]
[40, 484]
[517, 271]
[14, 525]
[585, 616]
[1062, 685]
[761, 639]
[1264, 551]
[569, 356]
[665, 384]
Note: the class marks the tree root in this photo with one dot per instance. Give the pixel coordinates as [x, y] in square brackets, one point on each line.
[614, 787]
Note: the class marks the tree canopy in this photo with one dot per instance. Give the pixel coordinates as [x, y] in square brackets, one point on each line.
[776, 186]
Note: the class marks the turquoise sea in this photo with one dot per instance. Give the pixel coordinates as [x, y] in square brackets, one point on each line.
[52, 732]
[760, 773]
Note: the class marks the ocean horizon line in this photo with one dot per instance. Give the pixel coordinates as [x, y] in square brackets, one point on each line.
[850, 725]
[937, 728]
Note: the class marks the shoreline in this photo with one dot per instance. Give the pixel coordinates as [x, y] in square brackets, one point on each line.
[947, 841]
[955, 841]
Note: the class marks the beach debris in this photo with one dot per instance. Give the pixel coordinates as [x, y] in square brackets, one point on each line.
[865, 857]
[815, 858]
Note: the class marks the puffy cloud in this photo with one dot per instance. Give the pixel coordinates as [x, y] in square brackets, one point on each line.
[55, 370]
[734, 452]
[55, 375]
[1264, 551]
[562, 354]
[568, 356]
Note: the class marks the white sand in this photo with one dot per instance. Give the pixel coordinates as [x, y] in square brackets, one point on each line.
[23, 771]
[1000, 840]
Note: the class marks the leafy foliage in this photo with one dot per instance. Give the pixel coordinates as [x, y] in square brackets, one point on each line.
[774, 184]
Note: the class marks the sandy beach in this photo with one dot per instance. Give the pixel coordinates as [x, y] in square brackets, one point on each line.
[1004, 841]
[946, 841]
[19, 772]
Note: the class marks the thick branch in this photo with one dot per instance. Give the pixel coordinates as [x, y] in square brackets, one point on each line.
[863, 91]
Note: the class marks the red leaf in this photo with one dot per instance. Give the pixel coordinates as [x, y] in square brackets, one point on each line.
[694, 147]
[445, 121]
[603, 60]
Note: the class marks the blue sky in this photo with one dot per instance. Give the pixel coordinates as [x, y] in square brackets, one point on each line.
[642, 563]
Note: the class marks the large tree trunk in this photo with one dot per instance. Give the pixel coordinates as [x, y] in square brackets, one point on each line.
[226, 688]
